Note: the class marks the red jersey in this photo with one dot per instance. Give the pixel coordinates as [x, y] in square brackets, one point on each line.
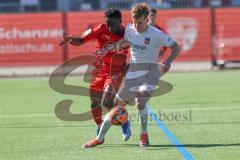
[160, 28]
[103, 37]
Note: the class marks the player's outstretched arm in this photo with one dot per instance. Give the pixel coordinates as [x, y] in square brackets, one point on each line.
[76, 41]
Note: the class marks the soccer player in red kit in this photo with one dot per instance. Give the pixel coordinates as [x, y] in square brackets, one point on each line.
[152, 18]
[108, 69]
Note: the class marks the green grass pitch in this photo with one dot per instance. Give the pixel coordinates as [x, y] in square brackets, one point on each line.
[208, 125]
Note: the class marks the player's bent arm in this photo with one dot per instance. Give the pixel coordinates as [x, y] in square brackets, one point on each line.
[175, 52]
[71, 40]
[166, 64]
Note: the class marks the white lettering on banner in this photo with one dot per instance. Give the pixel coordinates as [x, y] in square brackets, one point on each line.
[15, 33]
[184, 30]
[26, 48]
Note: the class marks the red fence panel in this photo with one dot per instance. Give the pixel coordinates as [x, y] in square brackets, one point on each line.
[30, 39]
[191, 28]
[228, 34]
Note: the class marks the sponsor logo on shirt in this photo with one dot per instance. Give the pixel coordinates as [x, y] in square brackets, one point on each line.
[138, 47]
[147, 40]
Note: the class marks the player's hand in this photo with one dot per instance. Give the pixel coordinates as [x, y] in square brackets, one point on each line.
[65, 40]
[165, 66]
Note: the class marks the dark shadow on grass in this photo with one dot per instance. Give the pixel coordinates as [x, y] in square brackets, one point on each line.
[165, 147]
[130, 145]
[194, 145]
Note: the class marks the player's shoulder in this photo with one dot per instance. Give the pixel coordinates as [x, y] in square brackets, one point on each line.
[129, 26]
[155, 30]
[101, 26]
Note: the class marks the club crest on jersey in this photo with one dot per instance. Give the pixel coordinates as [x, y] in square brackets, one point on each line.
[114, 77]
[147, 40]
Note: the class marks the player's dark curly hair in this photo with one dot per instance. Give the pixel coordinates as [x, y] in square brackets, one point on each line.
[113, 13]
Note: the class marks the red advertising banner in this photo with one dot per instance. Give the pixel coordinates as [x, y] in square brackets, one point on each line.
[228, 34]
[30, 39]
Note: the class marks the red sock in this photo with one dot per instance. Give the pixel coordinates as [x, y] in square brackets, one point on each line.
[97, 115]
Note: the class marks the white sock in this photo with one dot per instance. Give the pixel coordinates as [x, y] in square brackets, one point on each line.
[143, 117]
[106, 124]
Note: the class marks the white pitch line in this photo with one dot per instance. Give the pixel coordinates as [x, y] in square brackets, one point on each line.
[4, 116]
[27, 115]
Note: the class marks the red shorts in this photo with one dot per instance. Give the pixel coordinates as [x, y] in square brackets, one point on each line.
[101, 80]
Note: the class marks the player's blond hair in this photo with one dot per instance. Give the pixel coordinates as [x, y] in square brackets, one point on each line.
[139, 10]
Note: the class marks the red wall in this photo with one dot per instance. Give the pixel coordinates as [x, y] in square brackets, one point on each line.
[191, 29]
[37, 35]
[78, 23]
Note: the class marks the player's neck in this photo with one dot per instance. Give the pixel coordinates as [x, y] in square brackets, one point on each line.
[151, 24]
[143, 30]
[120, 31]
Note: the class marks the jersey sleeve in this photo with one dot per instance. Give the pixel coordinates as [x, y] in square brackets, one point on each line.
[164, 39]
[92, 33]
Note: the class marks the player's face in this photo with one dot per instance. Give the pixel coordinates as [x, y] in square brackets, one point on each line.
[140, 24]
[152, 17]
[114, 25]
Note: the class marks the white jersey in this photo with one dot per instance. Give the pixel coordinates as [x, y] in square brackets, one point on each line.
[145, 46]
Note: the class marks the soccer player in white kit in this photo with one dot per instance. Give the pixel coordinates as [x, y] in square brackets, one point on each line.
[143, 74]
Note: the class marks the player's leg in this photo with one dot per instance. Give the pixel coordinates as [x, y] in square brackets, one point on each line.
[124, 94]
[107, 122]
[96, 110]
[108, 96]
[145, 90]
[108, 101]
[141, 101]
[96, 91]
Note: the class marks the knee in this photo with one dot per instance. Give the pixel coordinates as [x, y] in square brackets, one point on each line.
[95, 103]
[108, 97]
[141, 103]
[108, 102]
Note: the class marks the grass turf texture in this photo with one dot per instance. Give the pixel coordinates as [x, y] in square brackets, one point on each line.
[30, 130]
